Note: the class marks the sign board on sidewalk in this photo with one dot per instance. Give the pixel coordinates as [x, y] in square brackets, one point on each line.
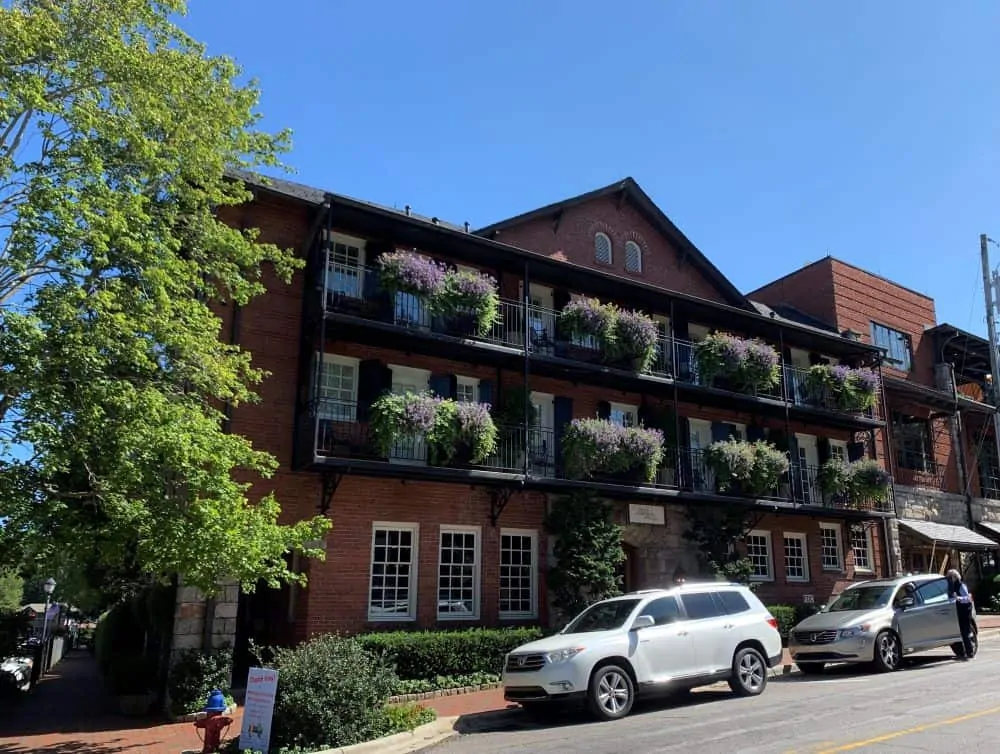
[647, 514]
[262, 685]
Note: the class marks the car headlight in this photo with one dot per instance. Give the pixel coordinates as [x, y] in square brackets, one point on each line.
[854, 631]
[562, 655]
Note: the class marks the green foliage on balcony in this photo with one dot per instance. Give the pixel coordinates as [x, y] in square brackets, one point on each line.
[856, 480]
[753, 469]
[750, 365]
[599, 447]
[451, 429]
[623, 334]
[843, 387]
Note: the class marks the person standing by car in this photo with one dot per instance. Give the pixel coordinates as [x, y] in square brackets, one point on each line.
[958, 593]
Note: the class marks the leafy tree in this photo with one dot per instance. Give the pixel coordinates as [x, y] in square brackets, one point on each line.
[588, 550]
[715, 530]
[11, 589]
[116, 134]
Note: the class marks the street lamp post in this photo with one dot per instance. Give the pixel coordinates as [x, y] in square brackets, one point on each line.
[49, 586]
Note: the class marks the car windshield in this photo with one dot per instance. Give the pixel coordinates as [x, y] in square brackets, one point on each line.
[604, 616]
[861, 598]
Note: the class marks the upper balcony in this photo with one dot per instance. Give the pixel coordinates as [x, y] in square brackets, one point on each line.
[357, 301]
[535, 457]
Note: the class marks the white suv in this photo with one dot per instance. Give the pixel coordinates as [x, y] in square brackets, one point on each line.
[648, 641]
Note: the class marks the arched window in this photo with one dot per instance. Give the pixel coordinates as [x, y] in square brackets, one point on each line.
[602, 248]
[633, 257]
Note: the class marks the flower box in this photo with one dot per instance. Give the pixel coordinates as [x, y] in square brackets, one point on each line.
[636, 338]
[599, 448]
[854, 483]
[588, 317]
[468, 301]
[751, 469]
[842, 387]
[744, 364]
[622, 337]
[409, 272]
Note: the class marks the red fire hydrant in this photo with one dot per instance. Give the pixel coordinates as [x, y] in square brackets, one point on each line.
[213, 722]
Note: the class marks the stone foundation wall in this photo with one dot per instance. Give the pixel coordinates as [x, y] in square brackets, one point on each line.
[931, 505]
[191, 612]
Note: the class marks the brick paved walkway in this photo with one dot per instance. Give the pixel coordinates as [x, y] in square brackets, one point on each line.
[69, 713]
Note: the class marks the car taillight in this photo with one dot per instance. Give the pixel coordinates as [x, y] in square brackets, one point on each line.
[772, 622]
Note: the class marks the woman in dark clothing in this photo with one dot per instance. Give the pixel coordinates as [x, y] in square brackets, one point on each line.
[958, 592]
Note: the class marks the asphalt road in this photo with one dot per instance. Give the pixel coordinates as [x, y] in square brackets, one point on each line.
[936, 704]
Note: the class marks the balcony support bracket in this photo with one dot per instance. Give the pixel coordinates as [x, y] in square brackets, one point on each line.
[499, 497]
[331, 481]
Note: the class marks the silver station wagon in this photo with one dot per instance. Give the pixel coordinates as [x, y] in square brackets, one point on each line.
[880, 622]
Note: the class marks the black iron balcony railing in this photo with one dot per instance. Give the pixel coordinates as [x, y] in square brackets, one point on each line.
[533, 455]
[357, 291]
[989, 486]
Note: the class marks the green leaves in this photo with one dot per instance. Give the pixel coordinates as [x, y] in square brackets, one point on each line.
[113, 369]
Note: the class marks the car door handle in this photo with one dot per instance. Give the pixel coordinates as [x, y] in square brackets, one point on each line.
[682, 633]
[728, 626]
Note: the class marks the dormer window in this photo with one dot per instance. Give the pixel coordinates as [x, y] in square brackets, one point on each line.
[633, 257]
[602, 249]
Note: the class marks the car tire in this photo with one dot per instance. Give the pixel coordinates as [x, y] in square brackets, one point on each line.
[810, 668]
[611, 693]
[888, 652]
[959, 648]
[749, 676]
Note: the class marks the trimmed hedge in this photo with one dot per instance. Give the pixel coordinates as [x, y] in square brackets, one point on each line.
[789, 616]
[425, 655]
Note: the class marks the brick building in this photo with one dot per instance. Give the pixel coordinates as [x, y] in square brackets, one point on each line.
[416, 543]
[939, 442]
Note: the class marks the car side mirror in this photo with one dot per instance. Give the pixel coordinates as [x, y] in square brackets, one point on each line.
[907, 602]
[643, 621]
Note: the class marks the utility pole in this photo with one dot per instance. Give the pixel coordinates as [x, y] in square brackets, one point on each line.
[991, 329]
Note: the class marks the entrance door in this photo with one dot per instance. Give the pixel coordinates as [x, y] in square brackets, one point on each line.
[541, 316]
[628, 569]
[701, 438]
[664, 347]
[807, 468]
[543, 435]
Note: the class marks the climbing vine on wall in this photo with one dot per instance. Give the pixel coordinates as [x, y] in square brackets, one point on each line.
[588, 552]
[715, 530]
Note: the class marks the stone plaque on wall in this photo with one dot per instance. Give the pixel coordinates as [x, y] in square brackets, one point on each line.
[646, 514]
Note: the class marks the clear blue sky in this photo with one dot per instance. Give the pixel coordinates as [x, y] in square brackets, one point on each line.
[772, 133]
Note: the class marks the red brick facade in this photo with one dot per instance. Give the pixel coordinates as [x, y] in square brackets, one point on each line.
[278, 331]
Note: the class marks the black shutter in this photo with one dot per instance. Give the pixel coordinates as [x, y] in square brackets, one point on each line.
[793, 470]
[755, 432]
[823, 449]
[681, 329]
[778, 438]
[788, 375]
[855, 451]
[443, 385]
[486, 392]
[603, 410]
[560, 298]
[372, 286]
[562, 410]
[721, 432]
[374, 379]
[684, 451]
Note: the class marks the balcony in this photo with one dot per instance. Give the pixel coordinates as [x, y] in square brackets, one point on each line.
[531, 458]
[355, 295]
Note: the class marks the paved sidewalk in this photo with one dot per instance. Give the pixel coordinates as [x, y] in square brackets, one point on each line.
[492, 700]
[69, 713]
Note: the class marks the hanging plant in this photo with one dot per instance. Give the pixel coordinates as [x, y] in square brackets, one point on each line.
[858, 481]
[467, 293]
[588, 317]
[636, 338]
[408, 272]
[750, 364]
[401, 415]
[475, 432]
[599, 447]
[843, 387]
[754, 468]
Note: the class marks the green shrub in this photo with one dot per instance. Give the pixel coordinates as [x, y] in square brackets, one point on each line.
[444, 682]
[428, 654]
[786, 617]
[804, 611]
[195, 675]
[331, 692]
[404, 717]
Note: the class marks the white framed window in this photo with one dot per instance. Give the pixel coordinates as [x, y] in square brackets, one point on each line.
[346, 268]
[458, 573]
[796, 557]
[861, 546]
[624, 414]
[336, 387]
[838, 450]
[829, 549]
[392, 593]
[602, 248]
[467, 389]
[518, 573]
[758, 545]
[633, 257]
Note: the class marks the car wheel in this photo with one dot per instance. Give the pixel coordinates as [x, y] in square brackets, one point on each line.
[611, 693]
[888, 652]
[749, 673]
[959, 648]
[811, 668]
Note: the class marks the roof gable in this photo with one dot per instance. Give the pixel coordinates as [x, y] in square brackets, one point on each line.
[628, 191]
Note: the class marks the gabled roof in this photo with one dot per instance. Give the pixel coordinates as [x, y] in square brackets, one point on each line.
[630, 190]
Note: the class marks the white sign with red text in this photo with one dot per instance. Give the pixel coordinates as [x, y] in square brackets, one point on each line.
[262, 685]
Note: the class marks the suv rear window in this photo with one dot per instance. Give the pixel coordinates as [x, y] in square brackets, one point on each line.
[732, 602]
[700, 605]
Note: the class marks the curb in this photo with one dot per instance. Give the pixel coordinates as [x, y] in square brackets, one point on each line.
[442, 693]
[419, 738]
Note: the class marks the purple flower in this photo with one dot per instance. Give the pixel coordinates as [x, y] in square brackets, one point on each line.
[636, 333]
[419, 411]
[470, 286]
[473, 417]
[865, 380]
[411, 273]
[601, 446]
[588, 316]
